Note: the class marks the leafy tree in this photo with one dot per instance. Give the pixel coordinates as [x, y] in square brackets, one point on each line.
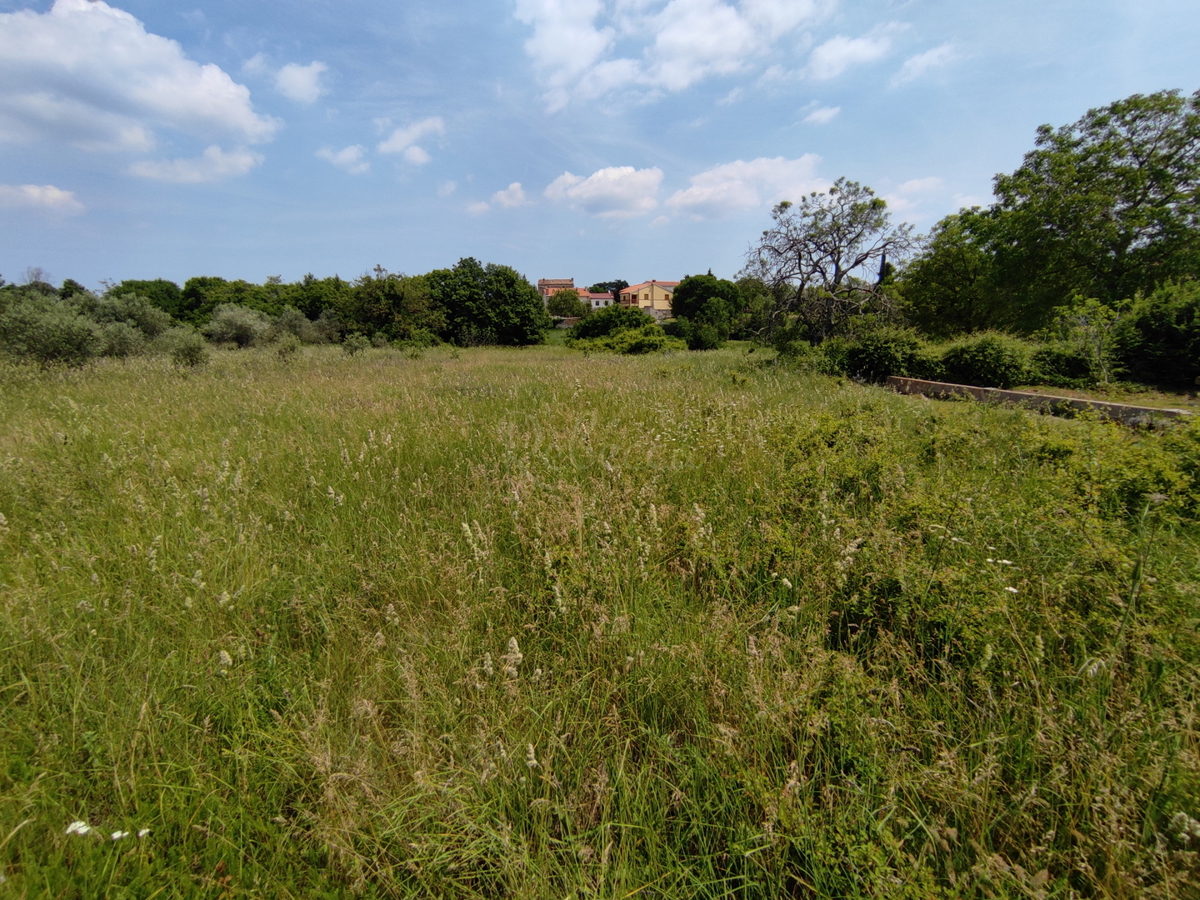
[606, 287]
[950, 288]
[133, 310]
[38, 326]
[1105, 207]
[1158, 339]
[202, 295]
[162, 293]
[566, 304]
[811, 255]
[491, 303]
[314, 296]
[705, 307]
[233, 324]
[398, 306]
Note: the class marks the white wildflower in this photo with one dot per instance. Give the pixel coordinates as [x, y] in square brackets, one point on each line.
[1011, 590]
[142, 832]
[224, 660]
[787, 584]
[531, 758]
[78, 827]
[117, 835]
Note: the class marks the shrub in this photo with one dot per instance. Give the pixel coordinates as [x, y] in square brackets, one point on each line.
[884, 351]
[287, 346]
[647, 339]
[120, 339]
[610, 320]
[39, 327]
[292, 321]
[1159, 341]
[355, 343]
[1062, 364]
[133, 310]
[697, 335]
[233, 324]
[987, 359]
[185, 345]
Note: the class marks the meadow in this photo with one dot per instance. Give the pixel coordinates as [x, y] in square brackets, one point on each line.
[527, 623]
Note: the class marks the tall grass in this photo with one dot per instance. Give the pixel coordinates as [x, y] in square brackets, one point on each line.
[521, 623]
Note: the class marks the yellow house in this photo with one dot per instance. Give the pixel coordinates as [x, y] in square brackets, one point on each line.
[650, 295]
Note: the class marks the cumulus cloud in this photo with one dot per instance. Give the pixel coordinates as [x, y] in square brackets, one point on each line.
[212, 165]
[350, 159]
[674, 43]
[404, 140]
[838, 54]
[511, 196]
[907, 197]
[301, 83]
[822, 115]
[916, 66]
[90, 74]
[614, 192]
[741, 185]
[44, 197]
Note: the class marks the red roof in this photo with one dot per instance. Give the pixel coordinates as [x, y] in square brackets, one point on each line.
[638, 287]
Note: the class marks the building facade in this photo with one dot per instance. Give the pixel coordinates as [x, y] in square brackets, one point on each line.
[650, 295]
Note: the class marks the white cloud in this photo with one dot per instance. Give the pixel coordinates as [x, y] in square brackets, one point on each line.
[350, 159]
[822, 115]
[39, 196]
[213, 165]
[674, 43]
[89, 74]
[837, 54]
[916, 66]
[908, 196]
[404, 140]
[511, 196]
[615, 192]
[255, 65]
[446, 188]
[301, 83]
[741, 185]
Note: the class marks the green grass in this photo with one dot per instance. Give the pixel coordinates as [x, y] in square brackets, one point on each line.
[521, 623]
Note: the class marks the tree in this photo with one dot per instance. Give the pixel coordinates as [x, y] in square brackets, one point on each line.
[488, 304]
[705, 308]
[950, 288]
[609, 287]
[811, 255]
[566, 304]
[162, 293]
[397, 306]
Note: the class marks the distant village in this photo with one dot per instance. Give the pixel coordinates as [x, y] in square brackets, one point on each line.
[652, 296]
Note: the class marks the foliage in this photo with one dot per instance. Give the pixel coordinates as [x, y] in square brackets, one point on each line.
[949, 289]
[239, 325]
[121, 340]
[132, 309]
[492, 302]
[287, 346]
[566, 304]
[631, 341]
[185, 345]
[159, 292]
[609, 320]
[988, 359]
[810, 255]
[355, 343]
[398, 306]
[610, 287]
[38, 326]
[1158, 341]
[291, 321]
[708, 307]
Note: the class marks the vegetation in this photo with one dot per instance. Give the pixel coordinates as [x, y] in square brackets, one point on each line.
[706, 310]
[498, 624]
[621, 329]
[567, 305]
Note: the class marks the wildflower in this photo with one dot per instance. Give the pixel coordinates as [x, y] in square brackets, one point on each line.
[531, 758]
[224, 660]
[143, 832]
[78, 827]
[1011, 590]
[117, 835]
[512, 659]
[787, 584]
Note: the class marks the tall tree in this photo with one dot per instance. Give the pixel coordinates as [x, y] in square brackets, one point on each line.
[1105, 207]
[825, 256]
[489, 304]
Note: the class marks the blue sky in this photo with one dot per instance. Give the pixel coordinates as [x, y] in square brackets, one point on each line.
[593, 139]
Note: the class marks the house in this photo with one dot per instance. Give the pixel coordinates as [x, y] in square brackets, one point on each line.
[653, 296]
[548, 287]
[596, 300]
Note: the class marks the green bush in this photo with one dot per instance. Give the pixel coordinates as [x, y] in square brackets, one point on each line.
[609, 320]
[133, 310]
[240, 325]
[1062, 364]
[647, 339]
[697, 335]
[987, 359]
[120, 340]
[184, 344]
[41, 328]
[355, 343]
[1159, 341]
[884, 351]
[292, 321]
[287, 346]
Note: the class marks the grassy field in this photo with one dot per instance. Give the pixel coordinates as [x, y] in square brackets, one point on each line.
[521, 623]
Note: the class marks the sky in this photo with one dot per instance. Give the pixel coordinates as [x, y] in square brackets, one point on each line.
[593, 139]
